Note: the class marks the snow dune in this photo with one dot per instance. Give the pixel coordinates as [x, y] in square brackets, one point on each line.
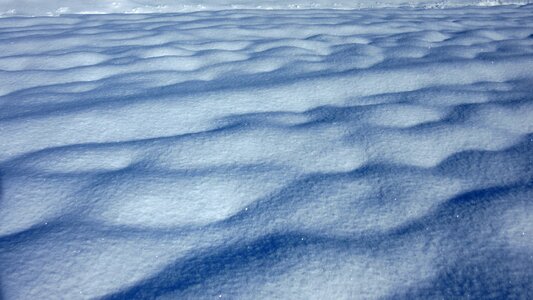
[252, 154]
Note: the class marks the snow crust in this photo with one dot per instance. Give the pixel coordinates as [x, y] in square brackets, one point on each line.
[253, 154]
[58, 7]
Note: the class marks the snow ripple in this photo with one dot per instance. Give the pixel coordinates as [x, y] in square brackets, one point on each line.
[267, 154]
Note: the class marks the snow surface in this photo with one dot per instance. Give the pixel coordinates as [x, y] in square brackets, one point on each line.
[58, 7]
[253, 154]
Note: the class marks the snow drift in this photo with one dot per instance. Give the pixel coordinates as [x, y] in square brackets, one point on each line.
[309, 154]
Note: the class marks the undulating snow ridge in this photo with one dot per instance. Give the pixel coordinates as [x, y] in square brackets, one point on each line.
[252, 154]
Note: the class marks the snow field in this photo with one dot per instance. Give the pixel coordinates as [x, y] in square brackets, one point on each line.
[303, 154]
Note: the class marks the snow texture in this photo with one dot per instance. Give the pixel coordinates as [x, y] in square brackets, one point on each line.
[254, 154]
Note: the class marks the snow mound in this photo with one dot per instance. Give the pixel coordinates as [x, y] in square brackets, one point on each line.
[253, 154]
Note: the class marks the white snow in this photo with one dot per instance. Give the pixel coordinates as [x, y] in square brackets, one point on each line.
[255, 154]
[59, 7]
